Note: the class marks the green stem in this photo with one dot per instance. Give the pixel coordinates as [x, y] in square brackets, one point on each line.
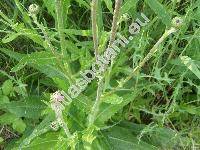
[97, 103]
[114, 22]
[95, 108]
[118, 4]
[60, 24]
[61, 122]
[41, 27]
[94, 6]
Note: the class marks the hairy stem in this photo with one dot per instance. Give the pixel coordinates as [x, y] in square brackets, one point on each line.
[65, 127]
[95, 107]
[61, 122]
[116, 16]
[114, 22]
[94, 6]
[42, 28]
[60, 24]
[97, 103]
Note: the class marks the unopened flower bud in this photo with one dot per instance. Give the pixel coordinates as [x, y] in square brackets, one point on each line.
[177, 22]
[34, 9]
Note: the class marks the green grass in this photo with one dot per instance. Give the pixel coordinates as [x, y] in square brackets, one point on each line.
[149, 97]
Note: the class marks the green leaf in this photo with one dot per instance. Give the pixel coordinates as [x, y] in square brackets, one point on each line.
[47, 141]
[12, 54]
[31, 108]
[36, 58]
[128, 5]
[44, 67]
[190, 109]
[7, 118]
[31, 34]
[83, 3]
[109, 5]
[87, 33]
[19, 125]
[40, 129]
[10, 37]
[187, 61]
[50, 5]
[106, 111]
[120, 138]
[7, 87]
[1, 140]
[160, 10]
[113, 99]
[4, 100]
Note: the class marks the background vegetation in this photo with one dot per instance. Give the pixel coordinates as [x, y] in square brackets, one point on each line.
[158, 108]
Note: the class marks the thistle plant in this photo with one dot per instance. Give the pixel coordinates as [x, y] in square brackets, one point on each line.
[112, 98]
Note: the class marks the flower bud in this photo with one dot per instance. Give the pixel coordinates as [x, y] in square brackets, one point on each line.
[177, 22]
[33, 9]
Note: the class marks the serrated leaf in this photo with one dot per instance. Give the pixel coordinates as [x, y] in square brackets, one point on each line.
[31, 108]
[36, 58]
[190, 109]
[12, 54]
[49, 70]
[31, 34]
[10, 37]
